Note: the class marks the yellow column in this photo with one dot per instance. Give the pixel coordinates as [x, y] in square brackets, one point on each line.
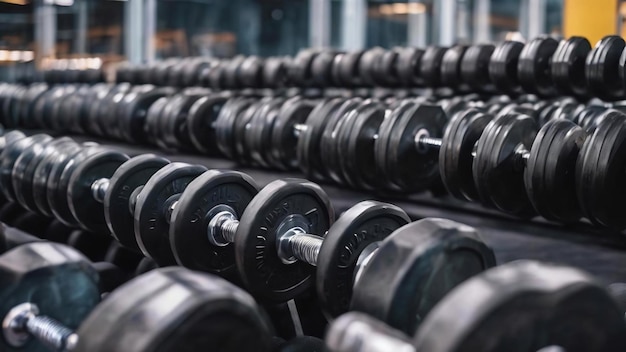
[592, 19]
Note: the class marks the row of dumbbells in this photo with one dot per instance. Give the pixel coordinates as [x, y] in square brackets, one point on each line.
[543, 66]
[278, 240]
[281, 238]
[292, 214]
[526, 157]
[520, 306]
[269, 273]
[52, 301]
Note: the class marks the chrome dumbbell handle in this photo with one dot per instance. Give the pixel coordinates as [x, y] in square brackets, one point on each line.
[23, 322]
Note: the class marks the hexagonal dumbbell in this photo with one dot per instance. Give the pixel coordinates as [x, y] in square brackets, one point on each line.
[523, 306]
[188, 310]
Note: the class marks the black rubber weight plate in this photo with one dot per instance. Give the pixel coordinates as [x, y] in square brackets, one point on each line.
[126, 179]
[550, 172]
[151, 225]
[600, 173]
[188, 230]
[361, 225]
[256, 255]
[497, 168]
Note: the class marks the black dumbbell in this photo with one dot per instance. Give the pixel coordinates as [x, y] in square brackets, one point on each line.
[100, 189]
[599, 185]
[602, 69]
[195, 310]
[278, 243]
[76, 184]
[563, 309]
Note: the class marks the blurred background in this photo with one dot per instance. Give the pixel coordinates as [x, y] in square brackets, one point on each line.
[96, 32]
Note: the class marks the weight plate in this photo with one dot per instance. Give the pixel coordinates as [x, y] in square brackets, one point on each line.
[242, 123]
[409, 60]
[381, 144]
[360, 161]
[16, 143]
[410, 167]
[153, 116]
[201, 120]
[344, 114]
[367, 65]
[300, 68]
[503, 66]
[225, 125]
[308, 148]
[123, 185]
[288, 128]
[133, 119]
[357, 230]
[258, 133]
[348, 69]
[321, 68]
[568, 66]
[33, 94]
[232, 72]
[385, 73]
[165, 138]
[208, 194]
[601, 67]
[54, 161]
[81, 196]
[274, 73]
[533, 67]
[455, 156]
[549, 173]
[28, 154]
[58, 185]
[25, 175]
[474, 68]
[599, 172]
[430, 65]
[177, 124]
[261, 269]
[216, 76]
[498, 166]
[152, 214]
[451, 68]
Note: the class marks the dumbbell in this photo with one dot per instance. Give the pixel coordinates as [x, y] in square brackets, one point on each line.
[599, 185]
[101, 190]
[77, 184]
[504, 153]
[194, 310]
[344, 145]
[75, 181]
[604, 69]
[479, 157]
[169, 127]
[518, 306]
[277, 240]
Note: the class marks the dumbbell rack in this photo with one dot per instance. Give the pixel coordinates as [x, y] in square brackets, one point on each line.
[599, 252]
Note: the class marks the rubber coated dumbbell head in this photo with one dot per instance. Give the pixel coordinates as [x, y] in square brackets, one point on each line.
[59, 280]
